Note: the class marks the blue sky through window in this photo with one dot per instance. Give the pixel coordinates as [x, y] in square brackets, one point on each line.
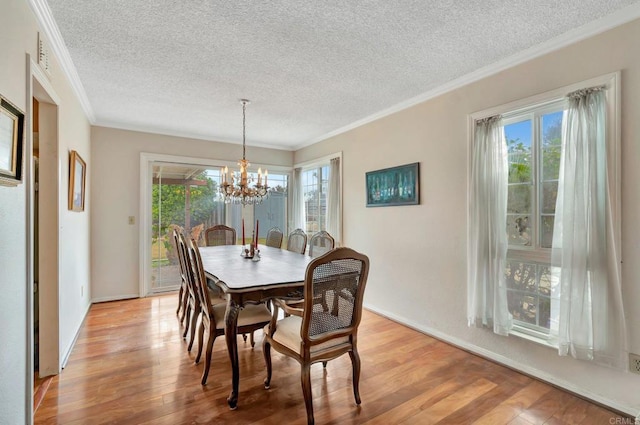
[520, 131]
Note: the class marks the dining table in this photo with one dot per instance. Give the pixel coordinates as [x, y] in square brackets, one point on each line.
[278, 274]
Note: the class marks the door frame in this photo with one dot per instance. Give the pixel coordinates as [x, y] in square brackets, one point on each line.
[38, 86]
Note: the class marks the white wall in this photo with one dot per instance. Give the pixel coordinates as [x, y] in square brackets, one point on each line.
[13, 302]
[17, 38]
[115, 196]
[418, 253]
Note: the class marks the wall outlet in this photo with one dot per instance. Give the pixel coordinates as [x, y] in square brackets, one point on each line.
[634, 363]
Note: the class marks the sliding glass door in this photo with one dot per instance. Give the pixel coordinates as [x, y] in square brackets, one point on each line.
[186, 197]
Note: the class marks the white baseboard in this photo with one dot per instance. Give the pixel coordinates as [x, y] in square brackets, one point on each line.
[67, 353]
[510, 363]
[114, 298]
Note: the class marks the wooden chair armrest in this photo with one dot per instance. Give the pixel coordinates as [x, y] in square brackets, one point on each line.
[290, 307]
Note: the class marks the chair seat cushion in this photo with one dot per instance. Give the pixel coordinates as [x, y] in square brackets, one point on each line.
[249, 314]
[288, 334]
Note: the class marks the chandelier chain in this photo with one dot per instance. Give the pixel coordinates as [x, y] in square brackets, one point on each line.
[243, 187]
[244, 126]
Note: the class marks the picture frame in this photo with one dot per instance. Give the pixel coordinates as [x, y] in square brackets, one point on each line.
[77, 179]
[393, 186]
[11, 143]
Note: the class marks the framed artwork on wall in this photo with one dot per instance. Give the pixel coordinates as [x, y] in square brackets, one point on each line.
[394, 186]
[11, 143]
[77, 178]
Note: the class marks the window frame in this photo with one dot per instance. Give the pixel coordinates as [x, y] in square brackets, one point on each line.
[534, 113]
[318, 163]
[521, 106]
[322, 189]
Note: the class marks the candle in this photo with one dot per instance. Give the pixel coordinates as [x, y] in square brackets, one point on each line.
[266, 176]
[243, 240]
[257, 224]
[259, 176]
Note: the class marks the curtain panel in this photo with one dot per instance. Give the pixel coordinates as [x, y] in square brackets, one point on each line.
[297, 201]
[487, 250]
[590, 322]
[334, 226]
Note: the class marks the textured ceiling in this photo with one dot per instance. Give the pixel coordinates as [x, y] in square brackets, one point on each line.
[310, 68]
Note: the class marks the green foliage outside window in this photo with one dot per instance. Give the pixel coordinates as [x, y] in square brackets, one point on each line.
[169, 203]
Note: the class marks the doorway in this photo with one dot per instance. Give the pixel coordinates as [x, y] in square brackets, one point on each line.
[41, 181]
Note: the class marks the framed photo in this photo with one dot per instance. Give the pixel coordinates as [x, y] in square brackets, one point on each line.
[11, 143]
[77, 178]
[394, 186]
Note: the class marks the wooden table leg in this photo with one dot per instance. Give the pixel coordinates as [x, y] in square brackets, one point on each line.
[230, 335]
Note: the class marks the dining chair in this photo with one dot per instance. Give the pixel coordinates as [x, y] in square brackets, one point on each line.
[193, 307]
[310, 335]
[251, 317]
[297, 241]
[220, 235]
[320, 243]
[274, 238]
[183, 293]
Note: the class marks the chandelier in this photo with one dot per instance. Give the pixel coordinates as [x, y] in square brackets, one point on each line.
[241, 187]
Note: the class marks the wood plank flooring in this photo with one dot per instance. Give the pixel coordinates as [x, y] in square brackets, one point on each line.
[130, 366]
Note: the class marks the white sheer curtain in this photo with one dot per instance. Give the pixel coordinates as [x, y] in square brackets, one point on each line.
[591, 319]
[297, 203]
[334, 226]
[486, 287]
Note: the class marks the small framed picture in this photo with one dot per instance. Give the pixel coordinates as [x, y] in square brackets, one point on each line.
[77, 178]
[11, 143]
[394, 186]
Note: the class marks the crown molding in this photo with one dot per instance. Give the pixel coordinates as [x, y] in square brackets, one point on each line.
[620, 17]
[141, 128]
[48, 25]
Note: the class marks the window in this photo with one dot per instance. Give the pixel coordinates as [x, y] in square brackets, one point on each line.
[532, 301]
[534, 146]
[314, 191]
[561, 174]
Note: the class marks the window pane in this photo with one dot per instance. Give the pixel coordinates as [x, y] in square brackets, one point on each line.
[528, 293]
[519, 200]
[549, 195]
[272, 212]
[521, 291]
[546, 231]
[518, 230]
[315, 183]
[518, 137]
[551, 145]
[520, 276]
[551, 162]
[546, 281]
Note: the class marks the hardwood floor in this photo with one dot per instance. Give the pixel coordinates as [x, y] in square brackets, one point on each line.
[130, 366]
